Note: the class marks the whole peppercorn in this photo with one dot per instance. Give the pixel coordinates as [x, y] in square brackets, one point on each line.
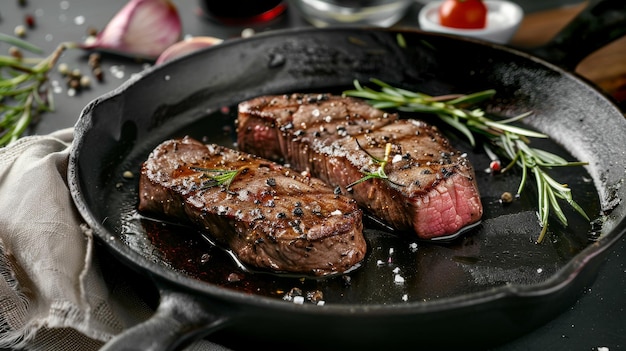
[97, 72]
[506, 197]
[16, 52]
[30, 21]
[495, 166]
[94, 63]
[20, 31]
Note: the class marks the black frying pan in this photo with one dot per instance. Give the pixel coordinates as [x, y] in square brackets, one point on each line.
[482, 289]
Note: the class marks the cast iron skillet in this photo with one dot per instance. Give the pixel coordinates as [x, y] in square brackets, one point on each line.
[484, 288]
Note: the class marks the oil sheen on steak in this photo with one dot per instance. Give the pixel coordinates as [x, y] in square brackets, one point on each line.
[269, 216]
[431, 187]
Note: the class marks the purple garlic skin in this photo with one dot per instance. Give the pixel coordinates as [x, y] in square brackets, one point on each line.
[142, 28]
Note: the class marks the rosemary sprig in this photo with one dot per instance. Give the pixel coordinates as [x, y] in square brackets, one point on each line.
[379, 173]
[23, 90]
[219, 177]
[509, 141]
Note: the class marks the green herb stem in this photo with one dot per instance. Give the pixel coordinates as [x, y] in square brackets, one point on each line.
[23, 90]
[219, 177]
[507, 140]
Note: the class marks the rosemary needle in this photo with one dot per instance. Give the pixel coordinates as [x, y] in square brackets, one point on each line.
[507, 140]
[219, 177]
[22, 44]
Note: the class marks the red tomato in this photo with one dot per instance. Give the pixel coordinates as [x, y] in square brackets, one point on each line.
[468, 14]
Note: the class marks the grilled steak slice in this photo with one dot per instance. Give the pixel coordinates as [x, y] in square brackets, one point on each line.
[269, 216]
[431, 187]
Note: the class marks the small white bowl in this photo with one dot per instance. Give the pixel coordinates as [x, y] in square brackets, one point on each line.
[503, 19]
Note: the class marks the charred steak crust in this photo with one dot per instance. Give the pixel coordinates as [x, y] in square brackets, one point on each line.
[271, 217]
[431, 188]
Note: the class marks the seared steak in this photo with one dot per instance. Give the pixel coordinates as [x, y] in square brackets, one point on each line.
[431, 187]
[269, 216]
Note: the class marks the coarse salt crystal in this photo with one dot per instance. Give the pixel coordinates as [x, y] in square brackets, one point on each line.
[243, 195]
[247, 32]
[299, 300]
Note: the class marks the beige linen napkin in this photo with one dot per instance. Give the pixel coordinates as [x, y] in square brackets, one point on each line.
[52, 293]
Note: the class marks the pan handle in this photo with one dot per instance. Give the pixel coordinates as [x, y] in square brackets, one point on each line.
[598, 24]
[179, 319]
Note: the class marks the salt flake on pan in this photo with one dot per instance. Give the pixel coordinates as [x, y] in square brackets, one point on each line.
[298, 300]
[398, 279]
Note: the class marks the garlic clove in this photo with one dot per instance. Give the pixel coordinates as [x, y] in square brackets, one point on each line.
[142, 28]
[185, 47]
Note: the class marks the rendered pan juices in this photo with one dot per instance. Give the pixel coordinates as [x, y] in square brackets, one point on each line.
[396, 269]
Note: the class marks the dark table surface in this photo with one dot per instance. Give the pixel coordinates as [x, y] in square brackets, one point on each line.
[597, 321]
